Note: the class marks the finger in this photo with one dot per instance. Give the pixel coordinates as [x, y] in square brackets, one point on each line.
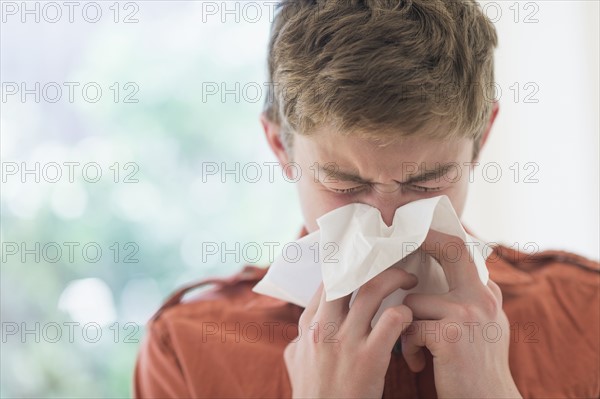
[335, 310]
[390, 325]
[495, 290]
[331, 311]
[430, 307]
[313, 304]
[371, 294]
[453, 255]
[289, 352]
[413, 342]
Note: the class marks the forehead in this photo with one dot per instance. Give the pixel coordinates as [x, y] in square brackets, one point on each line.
[374, 160]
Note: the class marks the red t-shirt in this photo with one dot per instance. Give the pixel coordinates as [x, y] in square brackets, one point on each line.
[229, 341]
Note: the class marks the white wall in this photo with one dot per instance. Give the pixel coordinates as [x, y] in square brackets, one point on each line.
[560, 133]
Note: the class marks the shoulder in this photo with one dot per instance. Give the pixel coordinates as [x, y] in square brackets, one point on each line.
[518, 272]
[192, 331]
[221, 299]
[552, 301]
[557, 284]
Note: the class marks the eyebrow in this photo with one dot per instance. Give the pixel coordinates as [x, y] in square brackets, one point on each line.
[427, 175]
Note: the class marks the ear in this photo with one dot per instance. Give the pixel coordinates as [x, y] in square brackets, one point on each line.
[488, 128]
[274, 139]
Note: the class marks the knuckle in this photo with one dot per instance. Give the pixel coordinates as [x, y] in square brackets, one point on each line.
[486, 307]
[304, 319]
[371, 287]
[490, 305]
[468, 311]
[396, 315]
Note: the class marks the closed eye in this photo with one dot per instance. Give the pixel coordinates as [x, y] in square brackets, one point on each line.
[423, 189]
[348, 190]
[414, 187]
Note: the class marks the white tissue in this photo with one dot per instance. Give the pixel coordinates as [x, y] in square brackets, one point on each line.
[354, 245]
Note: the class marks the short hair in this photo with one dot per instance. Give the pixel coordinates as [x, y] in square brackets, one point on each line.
[386, 68]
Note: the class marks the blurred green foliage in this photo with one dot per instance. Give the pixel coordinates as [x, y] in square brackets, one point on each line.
[168, 54]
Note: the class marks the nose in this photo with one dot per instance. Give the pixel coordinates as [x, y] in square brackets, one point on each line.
[387, 203]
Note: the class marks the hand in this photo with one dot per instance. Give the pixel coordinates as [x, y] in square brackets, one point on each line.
[337, 353]
[465, 329]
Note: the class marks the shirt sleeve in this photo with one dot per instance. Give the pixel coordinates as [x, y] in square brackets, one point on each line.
[157, 371]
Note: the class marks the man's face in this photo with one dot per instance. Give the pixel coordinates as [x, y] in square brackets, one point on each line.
[338, 170]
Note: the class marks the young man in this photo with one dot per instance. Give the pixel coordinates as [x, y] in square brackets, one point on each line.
[364, 91]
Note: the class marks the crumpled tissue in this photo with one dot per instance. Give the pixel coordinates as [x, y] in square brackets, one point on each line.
[353, 245]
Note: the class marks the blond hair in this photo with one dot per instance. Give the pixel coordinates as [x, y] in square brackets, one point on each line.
[381, 67]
